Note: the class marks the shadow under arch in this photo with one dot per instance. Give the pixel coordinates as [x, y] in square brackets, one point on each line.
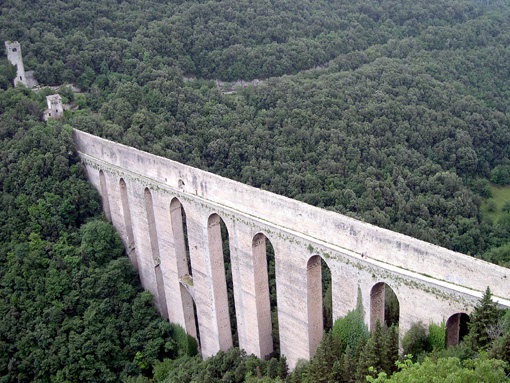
[180, 234]
[189, 309]
[153, 238]
[456, 328]
[184, 269]
[223, 289]
[266, 295]
[128, 223]
[320, 318]
[384, 306]
[104, 195]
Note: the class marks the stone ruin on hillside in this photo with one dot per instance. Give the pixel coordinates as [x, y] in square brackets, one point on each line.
[55, 107]
[14, 56]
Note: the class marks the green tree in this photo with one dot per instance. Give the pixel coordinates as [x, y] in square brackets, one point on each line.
[437, 336]
[326, 354]
[100, 243]
[481, 370]
[371, 361]
[416, 341]
[348, 367]
[481, 321]
[350, 329]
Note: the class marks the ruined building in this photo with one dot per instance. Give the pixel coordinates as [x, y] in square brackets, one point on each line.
[15, 58]
[55, 107]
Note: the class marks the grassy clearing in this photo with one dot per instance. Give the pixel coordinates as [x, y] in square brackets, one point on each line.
[492, 207]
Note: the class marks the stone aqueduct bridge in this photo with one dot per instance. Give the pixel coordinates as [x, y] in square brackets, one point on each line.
[143, 195]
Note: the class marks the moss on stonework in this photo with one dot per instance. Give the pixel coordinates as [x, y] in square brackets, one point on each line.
[187, 280]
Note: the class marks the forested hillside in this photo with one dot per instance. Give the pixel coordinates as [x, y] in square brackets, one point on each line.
[71, 305]
[403, 128]
[394, 112]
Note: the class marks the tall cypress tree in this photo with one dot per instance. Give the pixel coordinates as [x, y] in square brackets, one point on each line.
[391, 349]
[484, 317]
[348, 367]
[283, 368]
[321, 365]
[372, 355]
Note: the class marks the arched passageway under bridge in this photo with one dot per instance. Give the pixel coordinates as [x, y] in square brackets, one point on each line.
[456, 328]
[384, 306]
[319, 300]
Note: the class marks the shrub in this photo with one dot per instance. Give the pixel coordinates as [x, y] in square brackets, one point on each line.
[350, 329]
[416, 340]
[437, 336]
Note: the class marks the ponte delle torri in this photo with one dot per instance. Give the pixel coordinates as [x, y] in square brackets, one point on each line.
[143, 195]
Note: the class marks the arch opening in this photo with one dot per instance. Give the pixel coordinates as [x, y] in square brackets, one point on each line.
[319, 300]
[221, 270]
[190, 314]
[184, 269]
[128, 224]
[186, 243]
[456, 328]
[265, 287]
[104, 195]
[327, 297]
[384, 306]
[180, 234]
[153, 238]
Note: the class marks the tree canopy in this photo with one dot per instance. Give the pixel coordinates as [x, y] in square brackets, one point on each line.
[394, 112]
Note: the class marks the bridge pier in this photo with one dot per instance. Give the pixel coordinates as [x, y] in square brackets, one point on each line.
[209, 319]
[251, 292]
[169, 260]
[291, 282]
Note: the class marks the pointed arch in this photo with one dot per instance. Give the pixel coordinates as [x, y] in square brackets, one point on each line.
[184, 268]
[179, 231]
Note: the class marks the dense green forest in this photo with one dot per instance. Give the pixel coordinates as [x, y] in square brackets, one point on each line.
[404, 127]
[393, 112]
[71, 305]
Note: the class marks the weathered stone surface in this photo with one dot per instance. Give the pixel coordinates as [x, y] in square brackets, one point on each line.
[14, 56]
[430, 282]
[55, 107]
